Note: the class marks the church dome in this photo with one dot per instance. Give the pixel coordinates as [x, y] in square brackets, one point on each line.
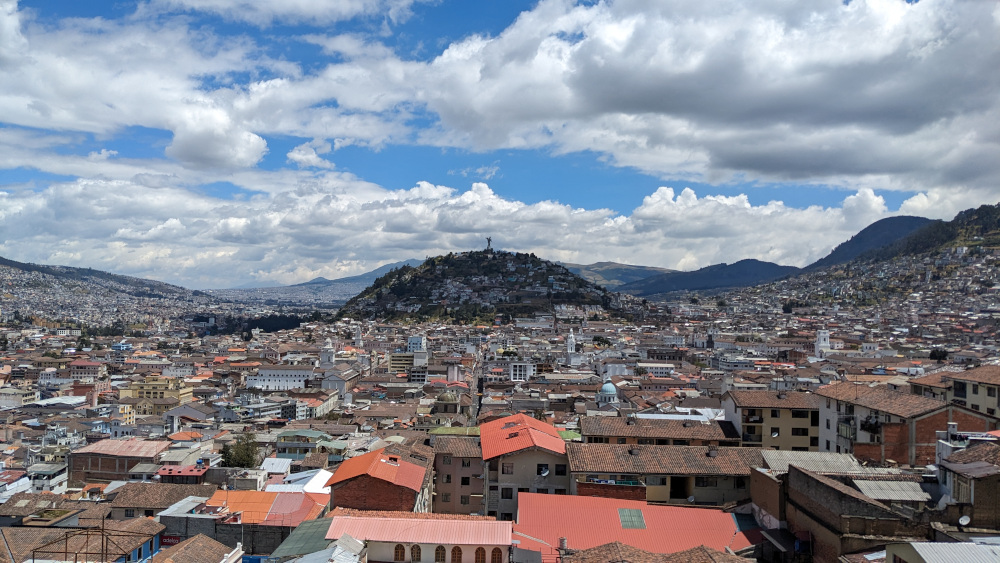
[608, 388]
[447, 397]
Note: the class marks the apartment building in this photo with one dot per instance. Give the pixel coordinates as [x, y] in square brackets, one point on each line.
[775, 419]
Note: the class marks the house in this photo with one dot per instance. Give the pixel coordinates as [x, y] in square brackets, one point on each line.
[522, 455]
[133, 500]
[110, 460]
[199, 549]
[380, 480]
[879, 424]
[413, 537]
[672, 474]
[977, 388]
[459, 475]
[970, 480]
[48, 477]
[774, 419]
[654, 431]
[133, 540]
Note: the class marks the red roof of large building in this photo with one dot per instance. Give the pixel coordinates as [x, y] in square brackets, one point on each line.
[271, 508]
[429, 531]
[380, 465]
[132, 447]
[587, 522]
[518, 432]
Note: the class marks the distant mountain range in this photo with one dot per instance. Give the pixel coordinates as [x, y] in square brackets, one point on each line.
[367, 278]
[612, 274]
[84, 277]
[719, 276]
[877, 235]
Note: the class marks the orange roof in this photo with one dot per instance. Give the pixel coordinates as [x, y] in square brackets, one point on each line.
[518, 432]
[587, 522]
[382, 466]
[186, 436]
[270, 509]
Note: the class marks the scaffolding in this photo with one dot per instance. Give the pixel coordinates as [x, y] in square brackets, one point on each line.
[89, 545]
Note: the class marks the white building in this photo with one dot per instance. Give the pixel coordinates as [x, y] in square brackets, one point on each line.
[281, 378]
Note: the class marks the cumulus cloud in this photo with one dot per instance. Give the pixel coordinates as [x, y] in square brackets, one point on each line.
[315, 12]
[308, 154]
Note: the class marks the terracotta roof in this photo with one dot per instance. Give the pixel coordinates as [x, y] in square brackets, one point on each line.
[657, 428]
[774, 399]
[518, 432]
[617, 552]
[664, 460]
[984, 451]
[936, 379]
[340, 511]
[587, 522]
[985, 374]
[199, 549]
[426, 531]
[271, 508]
[380, 465]
[882, 399]
[458, 446]
[157, 495]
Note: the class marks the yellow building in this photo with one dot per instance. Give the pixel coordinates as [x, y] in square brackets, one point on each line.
[775, 419]
[159, 387]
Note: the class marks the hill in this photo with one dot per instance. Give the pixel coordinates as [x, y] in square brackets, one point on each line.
[875, 236]
[979, 227]
[612, 274]
[476, 287]
[719, 276]
[366, 278]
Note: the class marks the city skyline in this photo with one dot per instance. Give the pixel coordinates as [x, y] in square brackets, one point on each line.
[217, 144]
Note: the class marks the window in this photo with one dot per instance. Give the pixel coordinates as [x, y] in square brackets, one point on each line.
[560, 491]
[828, 424]
[706, 482]
[464, 499]
[439, 554]
[975, 388]
[456, 554]
[542, 491]
[506, 516]
[800, 414]
[828, 403]
[480, 555]
[991, 412]
[775, 413]
[828, 445]
[814, 442]
[445, 497]
[507, 493]
[130, 513]
[740, 482]
[465, 481]
[496, 556]
[542, 469]
[775, 432]
[466, 462]
[621, 440]
[800, 431]
[991, 391]
[447, 477]
[644, 441]
[508, 469]
[560, 469]
[415, 553]
[399, 553]
[523, 490]
[974, 407]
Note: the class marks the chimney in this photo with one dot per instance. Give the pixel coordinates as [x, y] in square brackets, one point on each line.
[633, 451]
[782, 395]
[713, 451]
[563, 544]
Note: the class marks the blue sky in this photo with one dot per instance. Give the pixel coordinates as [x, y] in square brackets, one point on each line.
[226, 142]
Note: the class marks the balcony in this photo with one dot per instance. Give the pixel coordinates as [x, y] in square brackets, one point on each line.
[871, 425]
[755, 419]
[752, 438]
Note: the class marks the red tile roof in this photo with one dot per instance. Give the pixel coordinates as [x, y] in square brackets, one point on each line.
[518, 432]
[587, 522]
[380, 465]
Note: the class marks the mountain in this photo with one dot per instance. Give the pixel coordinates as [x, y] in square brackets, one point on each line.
[879, 234]
[366, 278]
[612, 274]
[979, 227]
[475, 287]
[719, 276]
[136, 287]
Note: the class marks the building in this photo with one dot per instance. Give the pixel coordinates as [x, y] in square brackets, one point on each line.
[673, 474]
[970, 479]
[380, 481]
[158, 387]
[775, 419]
[111, 460]
[977, 388]
[136, 500]
[281, 377]
[523, 455]
[412, 538]
[460, 476]
[879, 424]
[48, 477]
[86, 371]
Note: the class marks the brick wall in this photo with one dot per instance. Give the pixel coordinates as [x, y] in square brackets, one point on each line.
[625, 492]
[367, 493]
[99, 467]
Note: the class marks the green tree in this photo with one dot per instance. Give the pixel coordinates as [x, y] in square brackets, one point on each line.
[244, 452]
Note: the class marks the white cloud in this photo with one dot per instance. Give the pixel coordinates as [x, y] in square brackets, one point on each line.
[307, 154]
[313, 12]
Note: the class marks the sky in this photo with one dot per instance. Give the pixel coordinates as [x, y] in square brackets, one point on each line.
[221, 143]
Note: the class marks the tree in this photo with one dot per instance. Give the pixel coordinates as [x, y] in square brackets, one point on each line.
[939, 354]
[244, 452]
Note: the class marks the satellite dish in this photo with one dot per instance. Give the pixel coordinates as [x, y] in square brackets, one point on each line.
[964, 521]
[691, 499]
[774, 434]
[545, 473]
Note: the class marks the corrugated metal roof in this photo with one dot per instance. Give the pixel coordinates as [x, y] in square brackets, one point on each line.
[591, 521]
[821, 462]
[892, 490]
[130, 448]
[415, 530]
[941, 552]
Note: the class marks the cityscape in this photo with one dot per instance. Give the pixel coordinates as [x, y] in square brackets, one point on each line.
[538, 281]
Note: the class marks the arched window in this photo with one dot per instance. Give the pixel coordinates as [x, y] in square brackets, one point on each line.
[399, 554]
[415, 553]
[480, 555]
[496, 556]
[456, 554]
[439, 554]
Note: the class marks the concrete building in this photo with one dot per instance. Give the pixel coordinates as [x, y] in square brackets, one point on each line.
[459, 475]
[775, 419]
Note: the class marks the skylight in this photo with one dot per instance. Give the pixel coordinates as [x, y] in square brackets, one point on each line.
[631, 519]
